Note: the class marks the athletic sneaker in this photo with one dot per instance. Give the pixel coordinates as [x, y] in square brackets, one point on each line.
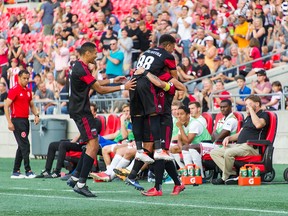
[121, 173]
[153, 192]
[144, 157]
[232, 181]
[162, 155]
[65, 177]
[218, 181]
[134, 183]
[43, 174]
[150, 176]
[83, 191]
[177, 189]
[70, 182]
[30, 175]
[54, 175]
[100, 176]
[17, 175]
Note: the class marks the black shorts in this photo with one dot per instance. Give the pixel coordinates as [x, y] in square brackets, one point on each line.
[166, 129]
[86, 125]
[144, 100]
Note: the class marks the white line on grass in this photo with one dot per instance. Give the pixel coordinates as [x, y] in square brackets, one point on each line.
[150, 203]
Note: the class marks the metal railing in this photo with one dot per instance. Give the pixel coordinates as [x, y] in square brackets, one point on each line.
[234, 96]
[235, 67]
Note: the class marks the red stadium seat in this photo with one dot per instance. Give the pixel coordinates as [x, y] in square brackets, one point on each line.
[113, 124]
[209, 119]
[103, 123]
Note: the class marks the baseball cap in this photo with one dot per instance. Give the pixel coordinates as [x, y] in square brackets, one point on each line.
[261, 72]
[209, 38]
[224, 6]
[259, 6]
[201, 56]
[132, 20]
[217, 58]
[14, 60]
[206, 16]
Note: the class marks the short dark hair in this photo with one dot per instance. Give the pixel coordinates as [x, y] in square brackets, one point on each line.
[166, 39]
[186, 109]
[227, 57]
[94, 105]
[227, 101]
[21, 72]
[254, 98]
[196, 103]
[87, 46]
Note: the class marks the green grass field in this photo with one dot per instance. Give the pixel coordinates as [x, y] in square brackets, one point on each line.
[54, 197]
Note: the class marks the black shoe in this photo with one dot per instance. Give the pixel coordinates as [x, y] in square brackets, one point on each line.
[232, 181]
[54, 175]
[43, 174]
[66, 177]
[84, 191]
[70, 182]
[218, 181]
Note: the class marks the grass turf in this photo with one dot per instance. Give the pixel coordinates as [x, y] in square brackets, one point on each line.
[53, 197]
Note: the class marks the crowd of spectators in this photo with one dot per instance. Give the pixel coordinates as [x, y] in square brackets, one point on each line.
[212, 38]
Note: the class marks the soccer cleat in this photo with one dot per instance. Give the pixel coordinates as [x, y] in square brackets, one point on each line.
[134, 183]
[144, 157]
[178, 189]
[162, 155]
[17, 175]
[66, 177]
[70, 182]
[153, 192]
[30, 175]
[43, 174]
[100, 176]
[54, 175]
[122, 171]
[232, 181]
[83, 191]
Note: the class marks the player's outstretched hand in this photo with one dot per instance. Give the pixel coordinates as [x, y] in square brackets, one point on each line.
[120, 79]
[130, 85]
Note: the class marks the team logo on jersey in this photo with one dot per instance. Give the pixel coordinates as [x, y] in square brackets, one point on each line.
[21, 94]
[161, 94]
[23, 134]
[94, 132]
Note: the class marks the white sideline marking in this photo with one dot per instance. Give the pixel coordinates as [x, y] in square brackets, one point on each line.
[149, 203]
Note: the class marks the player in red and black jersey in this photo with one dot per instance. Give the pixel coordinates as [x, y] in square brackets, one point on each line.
[19, 100]
[144, 100]
[81, 81]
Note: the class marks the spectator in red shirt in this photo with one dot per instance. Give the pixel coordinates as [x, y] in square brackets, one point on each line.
[149, 21]
[221, 92]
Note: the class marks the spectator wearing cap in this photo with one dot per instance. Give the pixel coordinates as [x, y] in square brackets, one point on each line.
[107, 37]
[239, 36]
[256, 30]
[133, 32]
[13, 73]
[184, 24]
[38, 58]
[258, 12]
[210, 52]
[198, 43]
[47, 15]
[209, 28]
[201, 69]
[262, 86]
[253, 53]
[125, 44]
[244, 91]
[114, 60]
[218, 66]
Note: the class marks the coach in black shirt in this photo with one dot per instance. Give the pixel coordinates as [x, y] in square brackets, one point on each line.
[255, 127]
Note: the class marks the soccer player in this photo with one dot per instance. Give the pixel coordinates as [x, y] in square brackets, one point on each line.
[144, 100]
[81, 80]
